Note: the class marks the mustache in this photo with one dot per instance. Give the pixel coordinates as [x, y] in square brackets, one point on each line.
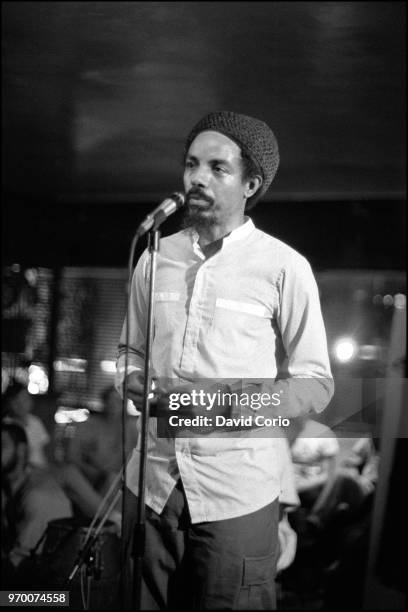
[198, 193]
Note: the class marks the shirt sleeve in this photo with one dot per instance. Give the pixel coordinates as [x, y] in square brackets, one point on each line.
[307, 384]
[137, 313]
[304, 384]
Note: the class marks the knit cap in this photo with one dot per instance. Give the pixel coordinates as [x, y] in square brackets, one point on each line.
[254, 137]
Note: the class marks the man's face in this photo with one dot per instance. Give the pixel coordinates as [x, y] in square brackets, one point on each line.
[9, 456]
[213, 182]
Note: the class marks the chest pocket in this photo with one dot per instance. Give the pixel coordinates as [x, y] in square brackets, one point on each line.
[239, 326]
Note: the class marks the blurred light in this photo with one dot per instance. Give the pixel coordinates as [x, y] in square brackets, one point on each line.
[378, 299]
[368, 352]
[37, 380]
[65, 415]
[16, 268]
[31, 275]
[399, 300]
[108, 366]
[70, 365]
[345, 349]
[388, 300]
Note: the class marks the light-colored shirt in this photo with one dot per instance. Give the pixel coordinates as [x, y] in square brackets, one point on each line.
[249, 311]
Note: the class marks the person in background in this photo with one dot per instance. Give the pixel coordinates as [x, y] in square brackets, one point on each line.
[31, 497]
[351, 484]
[96, 447]
[18, 404]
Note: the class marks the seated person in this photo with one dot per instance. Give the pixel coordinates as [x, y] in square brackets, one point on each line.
[31, 497]
[350, 485]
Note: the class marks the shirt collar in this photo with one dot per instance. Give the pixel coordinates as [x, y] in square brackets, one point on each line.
[239, 233]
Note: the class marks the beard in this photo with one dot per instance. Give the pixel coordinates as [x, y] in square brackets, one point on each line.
[196, 217]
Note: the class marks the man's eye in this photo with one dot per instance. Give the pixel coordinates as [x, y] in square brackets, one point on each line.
[219, 169]
[188, 164]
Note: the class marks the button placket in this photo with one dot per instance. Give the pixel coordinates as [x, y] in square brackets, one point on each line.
[193, 321]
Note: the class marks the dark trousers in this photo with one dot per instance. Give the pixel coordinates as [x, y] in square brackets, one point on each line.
[220, 565]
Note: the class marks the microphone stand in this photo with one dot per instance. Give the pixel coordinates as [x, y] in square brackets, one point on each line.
[83, 555]
[150, 224]
[139, 535]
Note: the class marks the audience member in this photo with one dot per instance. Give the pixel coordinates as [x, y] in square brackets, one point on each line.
[352, 482]
[17, 406]
[30, 496]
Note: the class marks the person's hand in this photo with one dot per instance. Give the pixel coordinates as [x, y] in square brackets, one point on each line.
[135, 388]
[158, 396]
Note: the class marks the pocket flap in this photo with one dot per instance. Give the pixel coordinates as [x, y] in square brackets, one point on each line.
[235, 305]
[258, 570]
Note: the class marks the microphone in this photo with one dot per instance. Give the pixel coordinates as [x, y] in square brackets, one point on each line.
[161, 212]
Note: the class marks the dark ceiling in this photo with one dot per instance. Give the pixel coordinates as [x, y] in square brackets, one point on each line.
[99, 96]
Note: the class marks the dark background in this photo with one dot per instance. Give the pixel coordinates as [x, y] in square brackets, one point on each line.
[98, 98]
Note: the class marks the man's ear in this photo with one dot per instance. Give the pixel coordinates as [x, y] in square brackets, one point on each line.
[253, 185]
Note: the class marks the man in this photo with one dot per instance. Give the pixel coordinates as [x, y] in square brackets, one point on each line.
[235, 304]
[31, 498]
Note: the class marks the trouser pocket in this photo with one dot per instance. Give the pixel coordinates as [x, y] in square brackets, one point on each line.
[257, 590]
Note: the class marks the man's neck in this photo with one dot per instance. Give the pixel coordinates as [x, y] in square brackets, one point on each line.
[217, 232]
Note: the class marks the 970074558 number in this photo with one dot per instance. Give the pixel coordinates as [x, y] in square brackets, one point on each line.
[36, 598]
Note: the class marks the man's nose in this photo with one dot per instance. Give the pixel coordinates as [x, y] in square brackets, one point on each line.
[199, 177]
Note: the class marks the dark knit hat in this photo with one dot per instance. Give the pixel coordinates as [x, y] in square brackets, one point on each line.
[254, 137]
